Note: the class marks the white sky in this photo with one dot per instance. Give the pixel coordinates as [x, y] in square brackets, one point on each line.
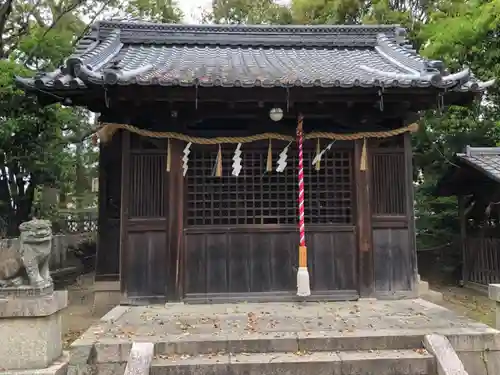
[193, 8]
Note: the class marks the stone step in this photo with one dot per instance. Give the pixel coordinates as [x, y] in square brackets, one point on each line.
[369, 362]
[289, 342]
[270, 342]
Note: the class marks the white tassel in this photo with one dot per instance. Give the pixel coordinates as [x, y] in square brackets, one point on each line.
[303, 286]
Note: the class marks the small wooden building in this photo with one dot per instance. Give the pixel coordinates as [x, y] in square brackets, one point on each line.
[175, 223]
[474, 178]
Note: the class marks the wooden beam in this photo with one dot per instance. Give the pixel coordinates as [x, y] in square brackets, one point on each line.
[272, 95]
[364, 224]
[222, 117]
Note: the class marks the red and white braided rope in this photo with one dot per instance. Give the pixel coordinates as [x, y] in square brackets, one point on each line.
[302, 229]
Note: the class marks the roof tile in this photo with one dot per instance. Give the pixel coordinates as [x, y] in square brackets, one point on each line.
[214, 55]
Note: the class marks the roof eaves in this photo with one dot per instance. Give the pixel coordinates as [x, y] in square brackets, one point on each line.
[87, 65]
[393, 50]
[474, 85]
[476, 161]
[481, 151]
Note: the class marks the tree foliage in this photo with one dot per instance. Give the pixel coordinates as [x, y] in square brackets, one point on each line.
[37, 143]
[247, 12]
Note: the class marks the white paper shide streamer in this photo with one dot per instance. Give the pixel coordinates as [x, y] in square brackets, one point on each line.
[281, 163]
[185, 158]
[320, 155]
[237, 161]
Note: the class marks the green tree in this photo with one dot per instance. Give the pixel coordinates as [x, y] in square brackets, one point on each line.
[35, 141]
[166, 11]
[461, 34]
[247, 12]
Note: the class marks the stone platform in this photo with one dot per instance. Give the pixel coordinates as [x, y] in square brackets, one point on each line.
[344, 338]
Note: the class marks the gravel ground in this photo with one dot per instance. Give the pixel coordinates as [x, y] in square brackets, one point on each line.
[467, 302]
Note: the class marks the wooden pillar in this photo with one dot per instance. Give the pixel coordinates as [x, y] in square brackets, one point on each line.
[463, 238]
[124, 210]
[175, 222]
[364, 223]
[102, 203]
[410, 212]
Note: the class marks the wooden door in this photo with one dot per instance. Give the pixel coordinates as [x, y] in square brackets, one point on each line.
[150, 263]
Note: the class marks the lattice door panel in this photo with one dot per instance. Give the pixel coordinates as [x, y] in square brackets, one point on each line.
[147, 185]
[257, 197]
[388, 184]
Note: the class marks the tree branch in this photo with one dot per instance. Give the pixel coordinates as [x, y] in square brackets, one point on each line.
[81, 136]
[56, 19]
[92, 20]
[5, 11]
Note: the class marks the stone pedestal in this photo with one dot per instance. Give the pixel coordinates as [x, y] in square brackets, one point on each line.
[494, 294]
[106, 296]
[31, 330]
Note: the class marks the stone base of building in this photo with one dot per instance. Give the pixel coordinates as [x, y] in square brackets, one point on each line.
[106, 295]
[31, 332]
[425, 292]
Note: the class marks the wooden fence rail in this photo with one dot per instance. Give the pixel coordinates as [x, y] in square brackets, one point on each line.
[482, 260]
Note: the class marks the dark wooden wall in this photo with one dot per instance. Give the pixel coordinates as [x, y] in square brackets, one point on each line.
[172, 246]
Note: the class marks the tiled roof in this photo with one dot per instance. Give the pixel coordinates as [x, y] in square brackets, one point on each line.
[484, 159]
[127, 53]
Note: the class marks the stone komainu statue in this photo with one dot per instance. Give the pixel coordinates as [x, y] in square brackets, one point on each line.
[27, 263]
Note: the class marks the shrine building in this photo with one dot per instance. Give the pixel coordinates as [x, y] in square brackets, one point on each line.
[199, 136]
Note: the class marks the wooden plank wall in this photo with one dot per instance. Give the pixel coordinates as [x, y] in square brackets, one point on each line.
[240, 261]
